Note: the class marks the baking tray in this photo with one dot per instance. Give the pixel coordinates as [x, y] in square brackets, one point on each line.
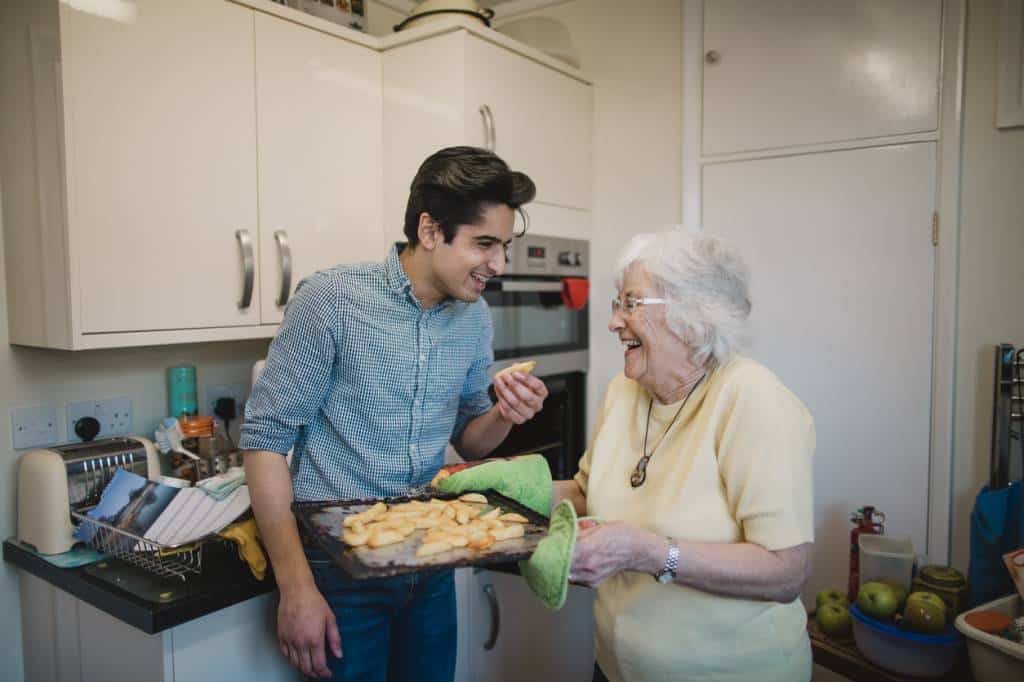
[321, 522]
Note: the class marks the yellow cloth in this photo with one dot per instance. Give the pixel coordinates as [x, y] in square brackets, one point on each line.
[246, 535]
[734, 467]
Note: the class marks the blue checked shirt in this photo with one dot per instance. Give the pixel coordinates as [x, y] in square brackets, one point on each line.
[366, 385]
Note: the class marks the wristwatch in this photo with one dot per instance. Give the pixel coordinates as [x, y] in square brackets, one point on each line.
[667, 574]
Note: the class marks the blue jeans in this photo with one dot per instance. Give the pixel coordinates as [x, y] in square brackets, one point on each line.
[396, 629]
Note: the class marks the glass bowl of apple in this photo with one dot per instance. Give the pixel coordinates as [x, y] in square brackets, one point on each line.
[909, 635]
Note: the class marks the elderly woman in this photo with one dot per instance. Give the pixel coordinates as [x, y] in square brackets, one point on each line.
[699, 476]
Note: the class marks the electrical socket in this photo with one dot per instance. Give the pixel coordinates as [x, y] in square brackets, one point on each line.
[33, 427]
[240, 392]
[113, 414]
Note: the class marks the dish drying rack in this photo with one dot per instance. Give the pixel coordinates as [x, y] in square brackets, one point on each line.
[166, 561]
[1007, 416]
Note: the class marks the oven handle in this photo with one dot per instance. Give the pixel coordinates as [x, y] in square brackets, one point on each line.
[518, 286]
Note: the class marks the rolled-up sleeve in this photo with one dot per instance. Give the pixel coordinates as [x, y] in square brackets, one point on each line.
[474, 400]
[765, 457]
[298, 374]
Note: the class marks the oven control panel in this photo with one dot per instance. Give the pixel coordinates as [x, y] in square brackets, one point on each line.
[534, 254]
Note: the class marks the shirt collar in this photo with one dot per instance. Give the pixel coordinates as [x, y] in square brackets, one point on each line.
[399, 281]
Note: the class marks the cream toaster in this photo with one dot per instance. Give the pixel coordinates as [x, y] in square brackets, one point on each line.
[54, 482]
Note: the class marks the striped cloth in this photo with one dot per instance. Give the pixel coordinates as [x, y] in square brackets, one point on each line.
[365, 385]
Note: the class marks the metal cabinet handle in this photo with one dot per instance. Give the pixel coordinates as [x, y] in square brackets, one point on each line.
[284, 250]
[490, 135]
[492, 600]
[248, 267]
[712, 57]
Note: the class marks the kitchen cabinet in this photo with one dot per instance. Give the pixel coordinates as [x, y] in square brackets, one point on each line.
[789, 73]
[318, 104]
[512, 637]
[461, 86]
[68, 640]
[168, 161]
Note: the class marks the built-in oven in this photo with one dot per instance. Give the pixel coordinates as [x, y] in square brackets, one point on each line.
[540, 310]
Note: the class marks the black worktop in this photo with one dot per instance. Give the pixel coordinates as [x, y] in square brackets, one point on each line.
[224, 581]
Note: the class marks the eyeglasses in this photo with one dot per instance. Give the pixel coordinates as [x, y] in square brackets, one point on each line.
[630, 304]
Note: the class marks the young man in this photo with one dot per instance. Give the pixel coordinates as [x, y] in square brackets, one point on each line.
[376, 367]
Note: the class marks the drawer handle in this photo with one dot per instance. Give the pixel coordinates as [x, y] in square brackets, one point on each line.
[248, 267]
[492, 601]
[490, 135]
[284, 250]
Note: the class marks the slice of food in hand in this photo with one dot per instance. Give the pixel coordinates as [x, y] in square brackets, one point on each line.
[524, 367]
[431, 548]
[475, 498]
[508, 532]
[513, 517]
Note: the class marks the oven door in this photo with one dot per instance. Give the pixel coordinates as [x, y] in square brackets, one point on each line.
[530, 318]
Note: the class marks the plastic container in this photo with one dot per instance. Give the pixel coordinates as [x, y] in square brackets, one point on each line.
[902, 651]
[994, 659]
[886, 558]
[181, 391]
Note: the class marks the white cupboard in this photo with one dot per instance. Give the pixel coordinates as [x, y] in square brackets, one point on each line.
[839, 247]
[318, 104]
[789, 73]
[460, 86]
[507, 635]
[172, 164]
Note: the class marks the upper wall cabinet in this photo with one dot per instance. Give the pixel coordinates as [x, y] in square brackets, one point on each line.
[178, 167]
[467, 87]
[319, 128]
[790, 73]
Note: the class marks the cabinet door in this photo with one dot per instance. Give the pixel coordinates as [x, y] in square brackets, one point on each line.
[791, 72]
[541, 120]
[161, 163]
[318, 103]
[530, 641]
[842, 264]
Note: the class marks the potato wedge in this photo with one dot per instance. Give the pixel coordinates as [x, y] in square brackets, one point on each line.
[512, 517]
[493, 514]
[432, 548]
[524, 367]
[508, 532]
[384, 537]
[476, 498]
[480, 541]
[355, 539]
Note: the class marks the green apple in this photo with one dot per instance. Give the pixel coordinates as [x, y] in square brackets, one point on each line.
[833, 619]
[925, 612]
[878, 600]
[831, 596]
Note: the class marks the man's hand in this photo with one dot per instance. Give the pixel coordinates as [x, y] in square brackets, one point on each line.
[520, 396]
[304, 623]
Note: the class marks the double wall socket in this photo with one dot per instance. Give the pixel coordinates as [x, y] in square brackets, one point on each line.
[113, 414]
[33, 427]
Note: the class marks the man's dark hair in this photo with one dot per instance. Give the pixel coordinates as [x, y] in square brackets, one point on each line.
[457, 184]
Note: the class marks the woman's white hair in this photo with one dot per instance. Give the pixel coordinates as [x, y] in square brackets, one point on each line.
[707, 286]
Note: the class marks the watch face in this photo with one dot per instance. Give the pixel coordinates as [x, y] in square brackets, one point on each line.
[665, 577]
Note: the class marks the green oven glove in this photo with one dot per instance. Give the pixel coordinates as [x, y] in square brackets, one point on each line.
[526, 479]
[547, 570]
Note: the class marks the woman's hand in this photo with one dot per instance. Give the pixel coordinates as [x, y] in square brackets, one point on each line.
[604, 549]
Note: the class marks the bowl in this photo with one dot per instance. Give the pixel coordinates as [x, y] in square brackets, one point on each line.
[908, 653]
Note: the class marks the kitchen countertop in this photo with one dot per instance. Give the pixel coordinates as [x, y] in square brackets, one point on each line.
[225, 581]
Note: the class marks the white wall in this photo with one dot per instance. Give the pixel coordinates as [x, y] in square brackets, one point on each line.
[633, 54]
[30, 376]
[991, 282]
